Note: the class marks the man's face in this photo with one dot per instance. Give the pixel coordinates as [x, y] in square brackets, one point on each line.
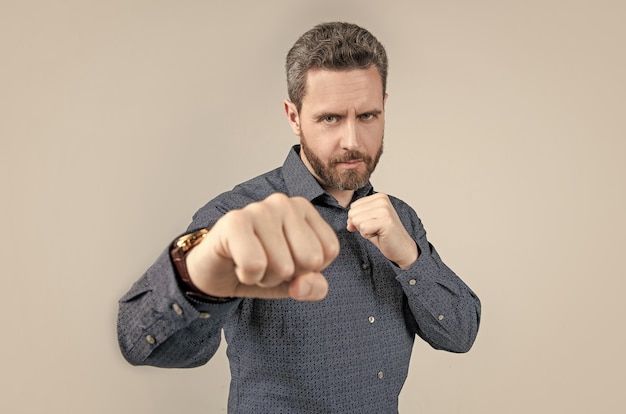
[341, 125]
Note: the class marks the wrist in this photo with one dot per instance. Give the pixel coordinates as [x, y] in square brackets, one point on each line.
[179, 252]
[411, 257]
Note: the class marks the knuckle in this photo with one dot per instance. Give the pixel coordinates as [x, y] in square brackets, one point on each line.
[252, 270]
[284, 270]
[313, 261]
[277, 199]
[302, 204]
[299, 200]
[254, 209]
[275, 203]
[233, 217]
[332, 249]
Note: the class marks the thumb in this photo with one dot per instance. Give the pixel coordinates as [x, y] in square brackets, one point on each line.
[309, 287]
[350, 227]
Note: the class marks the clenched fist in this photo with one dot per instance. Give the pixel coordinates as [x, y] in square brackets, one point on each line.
[275, 248]
[375, 219]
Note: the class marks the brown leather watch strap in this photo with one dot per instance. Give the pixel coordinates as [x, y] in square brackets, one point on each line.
[178, 253]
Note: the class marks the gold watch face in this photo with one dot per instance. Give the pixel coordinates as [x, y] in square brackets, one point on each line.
[187, 241]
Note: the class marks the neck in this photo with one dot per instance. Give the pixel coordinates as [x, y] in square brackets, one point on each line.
[343, 197]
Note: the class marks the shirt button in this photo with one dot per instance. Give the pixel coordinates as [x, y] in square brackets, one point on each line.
[365, 265]
[204, 315]
[371, 319]
[380, 375]
[150, 339]
[177, 309]
[412, 282]
[440, 317]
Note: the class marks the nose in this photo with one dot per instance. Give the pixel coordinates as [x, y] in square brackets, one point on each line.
[349, 136]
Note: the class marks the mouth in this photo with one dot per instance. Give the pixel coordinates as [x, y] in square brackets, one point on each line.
[350, 164]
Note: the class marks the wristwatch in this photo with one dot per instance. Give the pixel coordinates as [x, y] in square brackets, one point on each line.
[178, 253]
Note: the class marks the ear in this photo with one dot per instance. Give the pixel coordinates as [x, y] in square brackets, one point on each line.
[385, 99]
[292, 116]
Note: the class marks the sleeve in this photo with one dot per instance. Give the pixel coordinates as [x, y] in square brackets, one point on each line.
[444, 310]
[159, 325]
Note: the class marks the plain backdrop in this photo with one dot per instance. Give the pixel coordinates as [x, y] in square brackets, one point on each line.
[505, 130]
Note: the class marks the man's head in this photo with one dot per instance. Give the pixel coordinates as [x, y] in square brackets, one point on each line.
[336, 76]
[334, 46]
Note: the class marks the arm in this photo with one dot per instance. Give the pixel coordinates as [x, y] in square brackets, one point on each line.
[445, 312]
[275, 248]
[158, 325]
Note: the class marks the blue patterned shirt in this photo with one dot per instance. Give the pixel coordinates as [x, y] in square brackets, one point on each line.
[348, 353]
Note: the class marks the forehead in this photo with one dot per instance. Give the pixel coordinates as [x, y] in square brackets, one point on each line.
[335, 90]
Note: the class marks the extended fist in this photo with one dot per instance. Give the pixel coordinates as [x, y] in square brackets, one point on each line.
[275, 248]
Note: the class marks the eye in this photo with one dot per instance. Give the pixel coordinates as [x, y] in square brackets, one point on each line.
[367, 117]
[329, 119]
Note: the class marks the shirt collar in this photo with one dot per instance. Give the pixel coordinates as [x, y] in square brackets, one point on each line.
[301, 183]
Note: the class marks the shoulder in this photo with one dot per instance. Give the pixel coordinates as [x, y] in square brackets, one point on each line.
[262, 186]
[250, 191]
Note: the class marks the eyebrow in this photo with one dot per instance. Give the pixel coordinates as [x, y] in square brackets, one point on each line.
[321, 115]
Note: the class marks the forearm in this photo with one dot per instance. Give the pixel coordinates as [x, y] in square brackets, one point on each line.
[446, 311]
[158, 325]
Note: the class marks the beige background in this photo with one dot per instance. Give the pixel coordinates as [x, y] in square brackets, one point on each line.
[505, 130]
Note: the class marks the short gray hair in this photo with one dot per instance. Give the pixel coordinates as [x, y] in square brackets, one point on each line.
[335, 46]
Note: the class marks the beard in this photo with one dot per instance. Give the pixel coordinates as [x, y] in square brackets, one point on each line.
[332, 178]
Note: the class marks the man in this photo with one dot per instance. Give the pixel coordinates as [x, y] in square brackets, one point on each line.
[319, 283]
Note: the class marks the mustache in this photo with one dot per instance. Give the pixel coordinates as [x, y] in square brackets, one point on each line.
[350, 156]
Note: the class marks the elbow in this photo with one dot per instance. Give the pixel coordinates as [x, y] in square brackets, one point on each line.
[129, 352]
[458, 337]
[459, 343]
[465, 344]
[467, 335]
